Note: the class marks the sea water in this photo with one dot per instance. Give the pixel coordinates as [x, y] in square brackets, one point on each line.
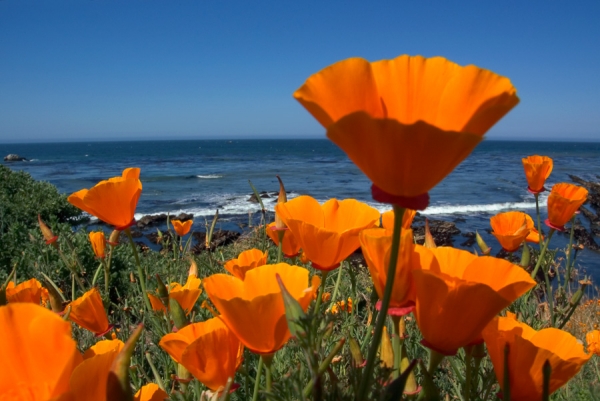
[203, 176]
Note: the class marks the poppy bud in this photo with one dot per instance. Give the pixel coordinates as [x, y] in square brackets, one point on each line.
[525, 256]
[131, 278]
[429, 241]
[293, 310]
[177, 314]
[282, 198]
[386, 351]
[193, 268]
[117, 384]
[114, 238]
[162, 291]
[357, 356]
[482, 245]
[47, 233]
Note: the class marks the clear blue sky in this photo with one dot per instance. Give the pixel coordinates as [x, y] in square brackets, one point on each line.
[160, 69]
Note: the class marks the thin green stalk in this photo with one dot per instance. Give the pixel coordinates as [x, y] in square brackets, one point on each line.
[106, 277]
[542, 254]
[549, 295]
[324, 274]
[280, 235]
[257, 380]
[396, 345]
[537, 212]
[385, 303]
[468, 376]
[569, 253]
[155, 372]
[337, 283]
[323, 367]
[140, 272]
[269, 374]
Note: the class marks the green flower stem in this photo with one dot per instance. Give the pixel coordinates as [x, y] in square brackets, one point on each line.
[155, 372]
[537, 212]
[385, 303]
[257, 380]
[468, 376]
[280, 235]
[323, 367]
[542, 254]
[324, 274]
[140, 272]
[396, 345]
[337, 283]
[106, 277]
[569, 253]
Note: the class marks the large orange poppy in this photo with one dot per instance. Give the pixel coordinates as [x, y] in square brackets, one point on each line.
[186, 295]
[112, 201]
[37, 352]
[290, 247]
[208, 350]
[253, 308]
[245, 261]
[510, 229]
[528, 351]
[88, 312]
[407, 122]
[537, 170]
[376, 244]
[327, 234]
[455, 303]
[387, 219]
[563, 202]
[27, 291]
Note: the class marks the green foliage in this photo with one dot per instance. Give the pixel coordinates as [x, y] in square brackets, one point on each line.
[21, 200]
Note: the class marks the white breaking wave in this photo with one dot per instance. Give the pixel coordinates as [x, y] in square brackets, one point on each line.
[209, 176]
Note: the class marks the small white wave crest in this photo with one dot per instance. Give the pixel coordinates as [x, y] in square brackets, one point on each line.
[209, 176]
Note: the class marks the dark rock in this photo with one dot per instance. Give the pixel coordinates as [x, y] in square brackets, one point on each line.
[593, 190]
[441, 231]
[264, 195]
[150, 220]
[583, 237]
[155, 239]
[14, 158]
[589, 214]
[183, 217]
[219, 238]
[471, 238]
[136, 234]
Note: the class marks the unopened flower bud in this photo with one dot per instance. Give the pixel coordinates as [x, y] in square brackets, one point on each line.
[482, 245]
[47, 233]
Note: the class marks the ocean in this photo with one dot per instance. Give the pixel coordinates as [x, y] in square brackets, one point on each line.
[202, 176]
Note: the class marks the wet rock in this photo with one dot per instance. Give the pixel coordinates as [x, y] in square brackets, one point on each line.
[135, 234]
[14, 158]
[582, 236]
[183, 217]
[591, 216]
[150, 220]
[471, 238]
[441, 231]
[263, 195]
[593, 190]
[156, 239]
[219, 238]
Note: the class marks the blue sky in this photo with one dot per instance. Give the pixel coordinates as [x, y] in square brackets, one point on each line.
[158, 69]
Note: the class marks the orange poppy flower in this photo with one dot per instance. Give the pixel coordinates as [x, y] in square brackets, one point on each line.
[537, 170]
[387, 219]
[253, 308]
[88, 312]
[27, 291]
[407, 122]
[246, 260]
[112, 201]
[290, 246]
[102, 347]
[185, 295]
[528, 351]
[510, 229]
[198, 343]
[37, 351]
[455, 303]
[593, 342]
[182, 228]
[150, 392]
[327, 234]
[534, 234]
[376, 244]
[563, 202]
[98, 241]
